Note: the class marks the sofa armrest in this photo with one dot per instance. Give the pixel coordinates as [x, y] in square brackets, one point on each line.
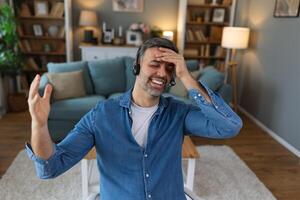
[44, 81]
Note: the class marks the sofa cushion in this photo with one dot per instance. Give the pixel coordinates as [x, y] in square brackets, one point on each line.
[179, 89]
[108, 75]
[74, 66]
[130, 77]
[192, 65]
[212, 77]
[67, 84]
[115, 95]
[73, 109]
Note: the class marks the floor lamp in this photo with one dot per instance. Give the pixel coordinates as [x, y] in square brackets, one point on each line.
[234, 38]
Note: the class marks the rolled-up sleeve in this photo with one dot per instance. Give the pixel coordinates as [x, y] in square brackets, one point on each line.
[69, 151]
[213, 120]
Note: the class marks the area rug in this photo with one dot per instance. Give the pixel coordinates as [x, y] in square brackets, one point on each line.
[220, 175]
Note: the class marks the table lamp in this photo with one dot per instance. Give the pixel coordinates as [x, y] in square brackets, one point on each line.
[88, 19]
[168, 35]
[234, 38]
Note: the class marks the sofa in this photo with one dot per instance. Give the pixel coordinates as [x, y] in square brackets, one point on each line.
[104, 79]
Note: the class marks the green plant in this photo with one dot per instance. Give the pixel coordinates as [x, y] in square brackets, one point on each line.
[10, 56]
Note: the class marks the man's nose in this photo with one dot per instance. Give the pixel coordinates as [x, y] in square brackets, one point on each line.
[162, 71]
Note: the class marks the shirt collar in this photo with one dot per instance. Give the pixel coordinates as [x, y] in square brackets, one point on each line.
[125, 101]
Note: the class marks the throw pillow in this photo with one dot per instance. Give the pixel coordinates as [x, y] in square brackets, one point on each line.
[179, 89]
[67, 84]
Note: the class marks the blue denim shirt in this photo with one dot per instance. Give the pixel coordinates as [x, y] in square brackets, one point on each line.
[128, 171]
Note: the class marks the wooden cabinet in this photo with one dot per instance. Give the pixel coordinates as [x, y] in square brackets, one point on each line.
[45, 32]
[98, 52]
[200, 27]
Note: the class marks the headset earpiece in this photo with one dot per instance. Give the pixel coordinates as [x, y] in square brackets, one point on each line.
[136, 69]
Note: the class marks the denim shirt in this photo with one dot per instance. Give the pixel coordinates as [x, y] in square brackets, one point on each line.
[128, 171]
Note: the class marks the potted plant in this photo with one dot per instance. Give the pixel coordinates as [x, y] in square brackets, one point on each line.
[10, 55]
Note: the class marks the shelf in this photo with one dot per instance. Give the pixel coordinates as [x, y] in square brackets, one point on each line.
[205, 57]
[207, 23]
[45, 53]
[41, 18]
[208, 6]
[40, 37]
[34, 70]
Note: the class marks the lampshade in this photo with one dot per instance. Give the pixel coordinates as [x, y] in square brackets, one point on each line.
[88, 18]
[235, 37]
[168, 35]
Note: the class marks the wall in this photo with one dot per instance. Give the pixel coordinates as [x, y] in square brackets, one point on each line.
[269, 71]
[156, 13]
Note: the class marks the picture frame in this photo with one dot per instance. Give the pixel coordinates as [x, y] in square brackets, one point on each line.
[41, 8]
[37, 30]
[134, 38]
[287, 8]
[128, 5]
[218, 15]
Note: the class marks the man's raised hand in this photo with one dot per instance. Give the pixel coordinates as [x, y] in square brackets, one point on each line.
[39, 107]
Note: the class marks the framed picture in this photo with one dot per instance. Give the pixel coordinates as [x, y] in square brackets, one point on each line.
[128, 5]
[286, 8]
[134, 38]
[37, 30]
[41, 8]
[218, 15]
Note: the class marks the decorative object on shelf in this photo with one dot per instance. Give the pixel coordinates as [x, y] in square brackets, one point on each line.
[287, 8]
[53, 30]
[235, 38]
[134, 38]
[128, 5]
[218, 15]
[107, 34]
[214, 2]
[40, 8]
[196, 2]
[47, 48]
[88, 19]
[37, 30]
[168, 35]
[142, 31]
[226, 2]
[24, 10]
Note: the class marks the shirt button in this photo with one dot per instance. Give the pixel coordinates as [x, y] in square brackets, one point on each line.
[147, 175]
[195, 97]
[217, 107]
[149, 195]
[146, 155]
[47, 162]
[199, 95]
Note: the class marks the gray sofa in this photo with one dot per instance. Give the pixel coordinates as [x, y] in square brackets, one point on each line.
[110, 78]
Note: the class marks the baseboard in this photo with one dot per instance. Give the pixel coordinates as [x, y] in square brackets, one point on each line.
[271, 133]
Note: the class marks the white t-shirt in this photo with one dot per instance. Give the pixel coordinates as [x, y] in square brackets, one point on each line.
[141, 118]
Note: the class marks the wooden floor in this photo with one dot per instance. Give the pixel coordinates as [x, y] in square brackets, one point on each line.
[275, 166]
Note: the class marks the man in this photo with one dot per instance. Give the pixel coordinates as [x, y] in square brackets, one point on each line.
[138, 136]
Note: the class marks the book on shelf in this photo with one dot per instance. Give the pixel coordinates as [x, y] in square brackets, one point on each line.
[190, 36]
[202, 50]
[219, 52]
[20, 30]
[57, 9]
[216, 33]
[31, 64]
[200, 36]
[207, 50]
[21, 46]
[226, 2]
[61, 33]
[190, 52]
[26, 46]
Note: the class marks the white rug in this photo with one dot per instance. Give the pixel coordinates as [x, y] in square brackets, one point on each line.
[220, 175]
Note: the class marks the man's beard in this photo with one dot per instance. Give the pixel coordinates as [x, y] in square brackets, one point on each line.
[146, 84]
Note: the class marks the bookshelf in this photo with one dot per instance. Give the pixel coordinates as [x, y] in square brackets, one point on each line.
[199, 29]
[44, 31]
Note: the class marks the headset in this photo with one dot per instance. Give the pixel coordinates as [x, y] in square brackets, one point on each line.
[137, 67]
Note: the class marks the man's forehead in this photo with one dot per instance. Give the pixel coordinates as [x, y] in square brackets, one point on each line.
[151, 52]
